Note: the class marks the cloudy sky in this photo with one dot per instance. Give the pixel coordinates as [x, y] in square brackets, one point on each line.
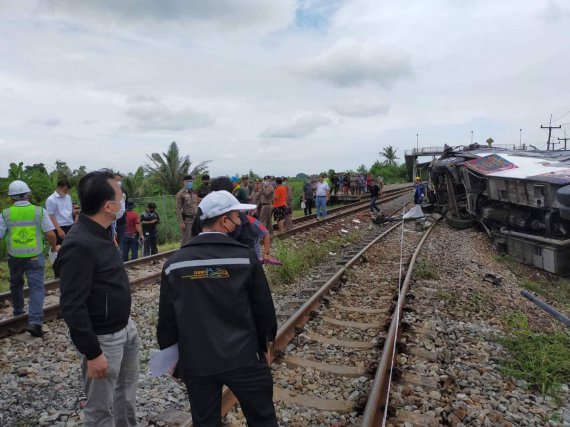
[277, 86]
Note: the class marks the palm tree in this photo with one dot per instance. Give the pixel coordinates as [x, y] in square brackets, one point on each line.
[135, 184]
[168, 170]
[390, 155]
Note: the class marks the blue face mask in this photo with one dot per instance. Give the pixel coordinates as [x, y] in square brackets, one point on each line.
[189, 185]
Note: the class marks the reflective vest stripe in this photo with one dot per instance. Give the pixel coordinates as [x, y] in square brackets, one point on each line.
[24, 237]
[206, 263]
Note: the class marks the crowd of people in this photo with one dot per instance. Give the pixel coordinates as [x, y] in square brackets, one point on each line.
[220, 222]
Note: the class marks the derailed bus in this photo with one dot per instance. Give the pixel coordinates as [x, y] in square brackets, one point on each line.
[521, 198]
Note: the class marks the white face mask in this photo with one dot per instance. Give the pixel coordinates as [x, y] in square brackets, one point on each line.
[121, 210]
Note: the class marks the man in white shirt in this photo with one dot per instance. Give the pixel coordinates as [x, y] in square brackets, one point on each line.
[323, 194]
[60, 209]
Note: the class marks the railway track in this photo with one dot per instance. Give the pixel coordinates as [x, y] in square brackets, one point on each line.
[12, 325]
[341, 340]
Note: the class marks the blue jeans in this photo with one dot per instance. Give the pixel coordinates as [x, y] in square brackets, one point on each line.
[373, 206]
[33, 268]
[321, 206]
[130, 243]
[111, 401]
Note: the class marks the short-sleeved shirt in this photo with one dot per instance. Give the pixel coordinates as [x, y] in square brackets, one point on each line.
[149, 216]
[259, 231]
[61, 207]
[132, 221]
[46, 224]
[322, 189]
[280, 196]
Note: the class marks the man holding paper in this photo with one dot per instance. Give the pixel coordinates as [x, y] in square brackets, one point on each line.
[215, 303]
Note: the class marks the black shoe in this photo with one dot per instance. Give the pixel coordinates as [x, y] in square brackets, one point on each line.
[35, 330]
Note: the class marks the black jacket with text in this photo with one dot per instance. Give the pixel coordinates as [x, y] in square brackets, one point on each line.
[215, 302]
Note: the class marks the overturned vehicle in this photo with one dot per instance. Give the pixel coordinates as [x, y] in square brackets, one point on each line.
[521, 198]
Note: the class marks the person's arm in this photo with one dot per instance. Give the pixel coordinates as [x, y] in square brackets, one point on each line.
[3, 227]
[48, 229]
[166, 328]
[139, 227]
[76, 266]
[262, 307]
[179, 203]
[51, 207]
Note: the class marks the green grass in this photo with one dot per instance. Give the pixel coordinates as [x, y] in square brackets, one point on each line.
[425, 270]
[297, 260]
[511, 263]
[555, 290]
[541, 359]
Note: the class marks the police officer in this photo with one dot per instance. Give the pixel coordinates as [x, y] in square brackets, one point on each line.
[24, 225]
[266, 203]
[186, 202]
[215, 303]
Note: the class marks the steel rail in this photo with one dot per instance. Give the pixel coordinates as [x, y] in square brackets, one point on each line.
[374, 411]
[53, 284]
[287, 331]
[16, 324]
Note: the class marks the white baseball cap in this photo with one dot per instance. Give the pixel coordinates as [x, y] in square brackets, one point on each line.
[218, 203]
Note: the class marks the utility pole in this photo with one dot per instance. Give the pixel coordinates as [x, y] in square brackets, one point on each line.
[564, 139]
[471, 137]
[417, 143]
[549, 127]
[520, 137]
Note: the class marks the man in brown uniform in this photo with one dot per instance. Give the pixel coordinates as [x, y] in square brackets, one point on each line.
[186, 202]
[266, 202]
[255, 197]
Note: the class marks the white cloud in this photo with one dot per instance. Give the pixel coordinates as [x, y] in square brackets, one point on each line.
[224, 15]
[352, 63]
[298, 128]
[151, 113]
[361, 109]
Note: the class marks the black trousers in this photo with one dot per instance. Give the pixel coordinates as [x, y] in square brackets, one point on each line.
[308, 207]
[251, 384]
[149, 244]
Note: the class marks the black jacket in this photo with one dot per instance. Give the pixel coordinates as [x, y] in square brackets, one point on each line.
[215, 302]
[95, 291]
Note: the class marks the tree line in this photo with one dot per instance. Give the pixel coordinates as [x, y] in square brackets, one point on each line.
[161, 175]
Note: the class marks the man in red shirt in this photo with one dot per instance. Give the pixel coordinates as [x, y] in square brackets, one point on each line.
[133, 233]
[280, 204]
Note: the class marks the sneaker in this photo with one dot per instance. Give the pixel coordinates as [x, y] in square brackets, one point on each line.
[35, 330]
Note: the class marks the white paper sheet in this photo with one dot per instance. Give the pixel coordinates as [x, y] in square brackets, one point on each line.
[52, 256]
[162, 361]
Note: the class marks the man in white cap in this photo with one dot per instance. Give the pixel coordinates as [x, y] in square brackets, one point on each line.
[215, 302]
[24, 226]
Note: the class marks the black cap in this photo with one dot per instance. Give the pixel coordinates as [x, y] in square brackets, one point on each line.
[205, 177]
[188, 177]
[266, 177]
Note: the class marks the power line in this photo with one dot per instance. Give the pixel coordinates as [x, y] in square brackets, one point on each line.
[564, 139]
[565, 114]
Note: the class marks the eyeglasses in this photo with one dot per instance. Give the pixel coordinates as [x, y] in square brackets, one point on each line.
[123, 198]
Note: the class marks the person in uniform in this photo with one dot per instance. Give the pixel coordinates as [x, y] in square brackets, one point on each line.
[216, 304]
[255, 198]
[266, 203]
[24, 226]
[186, 202]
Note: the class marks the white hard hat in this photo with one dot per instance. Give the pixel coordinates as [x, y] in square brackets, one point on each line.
[18, 187]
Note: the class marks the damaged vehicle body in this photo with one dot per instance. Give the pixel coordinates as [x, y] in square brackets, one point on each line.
[521, 198]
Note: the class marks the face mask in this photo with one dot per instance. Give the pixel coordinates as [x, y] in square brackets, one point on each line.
[121, 211]
[120, 183]
[237, 229]
[189, 185]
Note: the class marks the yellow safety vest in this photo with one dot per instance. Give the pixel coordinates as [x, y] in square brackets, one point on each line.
[24, 237]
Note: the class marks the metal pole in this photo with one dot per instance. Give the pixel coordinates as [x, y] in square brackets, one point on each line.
[417, 142]
[471, 137]
[550, 310]
[520, 137]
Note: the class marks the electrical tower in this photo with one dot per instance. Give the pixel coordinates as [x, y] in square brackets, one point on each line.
[549, 127]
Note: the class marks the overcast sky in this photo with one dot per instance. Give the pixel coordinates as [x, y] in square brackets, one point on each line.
[276, 86]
